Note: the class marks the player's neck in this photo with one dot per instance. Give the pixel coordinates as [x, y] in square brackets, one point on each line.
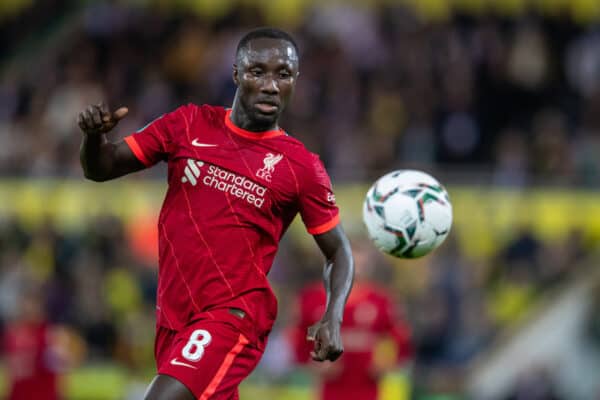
[241, 119]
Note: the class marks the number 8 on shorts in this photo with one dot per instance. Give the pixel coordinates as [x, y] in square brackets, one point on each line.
[194, 349]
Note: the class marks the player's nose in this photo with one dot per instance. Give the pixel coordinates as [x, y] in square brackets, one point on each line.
[270, 86]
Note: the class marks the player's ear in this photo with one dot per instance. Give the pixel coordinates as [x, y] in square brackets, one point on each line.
[235, 77]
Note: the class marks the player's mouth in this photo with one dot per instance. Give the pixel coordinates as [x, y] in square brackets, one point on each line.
[267, 107]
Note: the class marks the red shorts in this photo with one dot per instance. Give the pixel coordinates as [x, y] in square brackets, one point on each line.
[209, 357]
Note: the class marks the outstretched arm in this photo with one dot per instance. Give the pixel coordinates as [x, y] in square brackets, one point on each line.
[101, 159]
[337, 276]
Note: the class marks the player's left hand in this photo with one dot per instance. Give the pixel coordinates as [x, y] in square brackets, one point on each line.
[328, 340]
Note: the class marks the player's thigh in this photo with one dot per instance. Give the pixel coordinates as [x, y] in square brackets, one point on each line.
[210, 358]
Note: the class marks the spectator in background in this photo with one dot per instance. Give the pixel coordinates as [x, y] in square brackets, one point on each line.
[550, 150]
[376, 336]
[427, 95]
[512, 160]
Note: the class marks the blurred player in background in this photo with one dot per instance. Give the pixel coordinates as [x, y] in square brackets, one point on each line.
[37, 352]
[236, 182]
[376, 336]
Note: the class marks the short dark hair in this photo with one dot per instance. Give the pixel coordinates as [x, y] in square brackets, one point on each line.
[265, 32]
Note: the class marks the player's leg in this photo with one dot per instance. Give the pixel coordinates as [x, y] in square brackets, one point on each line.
[209, 358]
[164, 387]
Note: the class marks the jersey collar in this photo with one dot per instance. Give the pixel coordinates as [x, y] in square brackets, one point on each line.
[250, 134]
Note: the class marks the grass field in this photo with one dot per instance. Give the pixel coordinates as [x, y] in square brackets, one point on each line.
[109, 382]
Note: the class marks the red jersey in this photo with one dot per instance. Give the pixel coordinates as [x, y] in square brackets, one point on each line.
[369, 317]
[30, 363]
[232, 194]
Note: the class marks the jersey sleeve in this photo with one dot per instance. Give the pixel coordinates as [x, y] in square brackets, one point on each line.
[154, 142]
[317, 202]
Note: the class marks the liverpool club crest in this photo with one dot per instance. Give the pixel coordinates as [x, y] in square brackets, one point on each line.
[270, 161]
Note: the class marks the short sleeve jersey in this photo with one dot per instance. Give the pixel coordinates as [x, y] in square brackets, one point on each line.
[232, 194]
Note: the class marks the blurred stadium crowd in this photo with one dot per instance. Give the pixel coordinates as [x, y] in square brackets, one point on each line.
[509, 101]
[514, 97]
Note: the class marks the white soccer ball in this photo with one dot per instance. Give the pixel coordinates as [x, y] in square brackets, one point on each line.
[407, 213]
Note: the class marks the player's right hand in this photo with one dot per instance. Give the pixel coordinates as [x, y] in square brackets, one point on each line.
[97, 119]
[328, 340]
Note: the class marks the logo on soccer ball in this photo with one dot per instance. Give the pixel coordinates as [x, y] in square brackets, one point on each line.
[270, 161]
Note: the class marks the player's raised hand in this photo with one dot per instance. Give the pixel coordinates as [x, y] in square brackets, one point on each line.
[328, 341]
[97, 119]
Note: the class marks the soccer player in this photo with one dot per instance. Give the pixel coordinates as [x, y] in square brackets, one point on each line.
[376, 338]
[36, 352]
[236, 182]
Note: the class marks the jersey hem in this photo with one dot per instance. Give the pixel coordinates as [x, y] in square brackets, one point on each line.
[327, 226]
[137, 150]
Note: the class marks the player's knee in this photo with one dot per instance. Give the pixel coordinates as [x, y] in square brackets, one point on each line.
[164, 387]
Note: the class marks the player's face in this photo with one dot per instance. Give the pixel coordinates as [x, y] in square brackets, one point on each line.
[266, 74]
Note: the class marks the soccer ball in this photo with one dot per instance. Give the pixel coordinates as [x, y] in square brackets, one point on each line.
[407, 213]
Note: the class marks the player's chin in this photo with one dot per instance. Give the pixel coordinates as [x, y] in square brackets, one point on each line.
[266, 118]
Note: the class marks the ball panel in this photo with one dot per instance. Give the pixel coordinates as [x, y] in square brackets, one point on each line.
[407, 213]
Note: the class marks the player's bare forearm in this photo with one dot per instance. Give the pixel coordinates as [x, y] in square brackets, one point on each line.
[338, 277]
[96, 157]
[100, 159]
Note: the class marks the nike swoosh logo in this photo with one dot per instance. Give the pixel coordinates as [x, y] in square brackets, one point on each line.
[175, 362]
[196, 143]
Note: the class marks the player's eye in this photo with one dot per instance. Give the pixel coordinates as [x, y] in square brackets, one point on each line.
[256, 71]
[284, 74]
